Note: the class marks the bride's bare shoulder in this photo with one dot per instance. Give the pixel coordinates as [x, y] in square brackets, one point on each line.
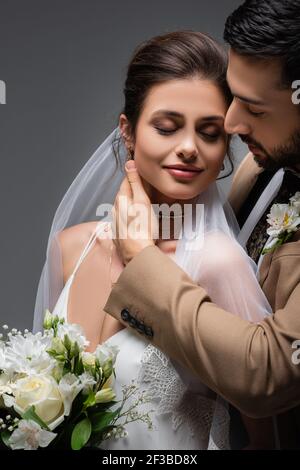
[76, 235]
[72, 241]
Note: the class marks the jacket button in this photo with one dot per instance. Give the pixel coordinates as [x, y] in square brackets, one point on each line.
[125, 315]
[133, 323]
[140, 328]
[148, 331]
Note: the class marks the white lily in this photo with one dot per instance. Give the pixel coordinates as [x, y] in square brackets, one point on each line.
[29, 436]
[69, 387]
[87, 381]
[105, 395]
[282, 218]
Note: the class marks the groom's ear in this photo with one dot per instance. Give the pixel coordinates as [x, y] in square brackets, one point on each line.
[125, 130]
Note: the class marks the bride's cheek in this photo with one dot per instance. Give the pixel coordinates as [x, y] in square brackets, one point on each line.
[218, 156]
[214, 161]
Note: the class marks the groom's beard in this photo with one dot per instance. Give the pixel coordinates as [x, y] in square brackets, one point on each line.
[286, 155]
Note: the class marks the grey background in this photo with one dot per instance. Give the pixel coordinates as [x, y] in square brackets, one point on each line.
[64, 65]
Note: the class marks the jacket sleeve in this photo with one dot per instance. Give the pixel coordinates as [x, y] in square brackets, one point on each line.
[249, 364]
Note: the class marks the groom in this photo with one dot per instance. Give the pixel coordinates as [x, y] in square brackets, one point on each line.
[252, 365]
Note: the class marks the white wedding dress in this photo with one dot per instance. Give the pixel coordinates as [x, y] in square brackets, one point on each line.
[186, 414]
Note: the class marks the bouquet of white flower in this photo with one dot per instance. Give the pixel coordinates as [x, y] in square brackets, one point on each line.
[54, 394]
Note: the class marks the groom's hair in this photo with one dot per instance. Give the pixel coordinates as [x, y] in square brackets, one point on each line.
[268, 29]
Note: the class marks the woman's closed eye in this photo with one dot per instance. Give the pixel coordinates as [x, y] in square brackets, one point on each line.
[212, 136]
[255, 113]
[162, 131]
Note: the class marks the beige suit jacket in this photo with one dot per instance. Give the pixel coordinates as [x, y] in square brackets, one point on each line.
[249, 364]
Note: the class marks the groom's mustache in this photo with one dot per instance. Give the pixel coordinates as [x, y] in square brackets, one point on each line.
[249, 141]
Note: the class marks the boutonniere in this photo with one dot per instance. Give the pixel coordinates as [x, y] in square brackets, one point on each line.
[283, 220]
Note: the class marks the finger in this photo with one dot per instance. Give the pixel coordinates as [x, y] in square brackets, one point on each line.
[134, 179]
[125, 189]
[124, 192]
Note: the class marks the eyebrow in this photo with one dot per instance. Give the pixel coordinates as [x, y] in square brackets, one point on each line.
[249, 100]
[179, 115]
[244, 98]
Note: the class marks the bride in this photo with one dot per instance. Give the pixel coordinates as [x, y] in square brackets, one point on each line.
[176, 98]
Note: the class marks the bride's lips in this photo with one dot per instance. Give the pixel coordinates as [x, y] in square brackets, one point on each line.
[187, 173]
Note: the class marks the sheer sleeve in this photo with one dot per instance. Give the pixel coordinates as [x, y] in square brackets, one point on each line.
[216, 261]
[228, 275]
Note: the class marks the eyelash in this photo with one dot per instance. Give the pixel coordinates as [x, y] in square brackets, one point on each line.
[210, 137]
[260, 114]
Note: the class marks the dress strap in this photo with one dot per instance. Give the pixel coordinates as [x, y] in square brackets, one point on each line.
[88, 247]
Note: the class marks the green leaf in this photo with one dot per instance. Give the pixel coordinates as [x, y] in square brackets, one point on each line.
[31, 414]
[102, 419]
[270, 250]
[288, 236]
[90, 400]
[67, 343]
[75, 350]
[5, 435]
[78, 366]
[60, 358]
[81, 434]
[105, 406]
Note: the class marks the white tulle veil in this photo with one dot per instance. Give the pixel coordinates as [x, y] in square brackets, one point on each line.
[97, 183]
[232, 285]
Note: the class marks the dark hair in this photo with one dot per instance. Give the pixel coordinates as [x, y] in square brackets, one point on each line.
[172, 56]
[268, 29]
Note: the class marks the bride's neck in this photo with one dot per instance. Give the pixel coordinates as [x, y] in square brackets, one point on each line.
[158, 198]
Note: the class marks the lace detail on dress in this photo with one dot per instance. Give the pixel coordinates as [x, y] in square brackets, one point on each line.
[219, 431]
[205, 418]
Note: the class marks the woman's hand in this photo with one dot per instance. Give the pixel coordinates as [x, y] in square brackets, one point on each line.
[136, 225]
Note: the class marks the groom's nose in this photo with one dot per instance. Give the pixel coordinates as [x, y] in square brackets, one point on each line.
[236, 120]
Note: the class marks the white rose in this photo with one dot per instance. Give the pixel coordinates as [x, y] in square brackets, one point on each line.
[43, 393]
